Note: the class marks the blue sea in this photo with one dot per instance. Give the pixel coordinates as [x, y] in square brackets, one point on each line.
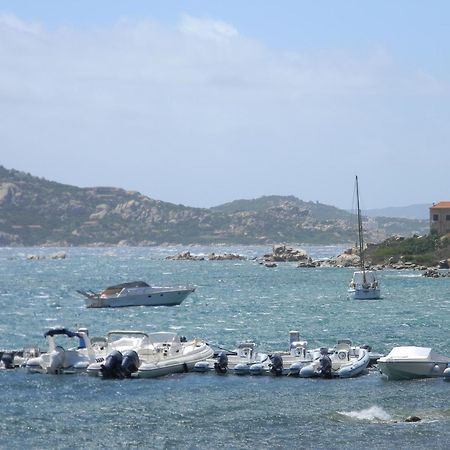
[234, 301]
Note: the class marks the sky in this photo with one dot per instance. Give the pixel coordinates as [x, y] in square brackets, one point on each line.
[204, 102]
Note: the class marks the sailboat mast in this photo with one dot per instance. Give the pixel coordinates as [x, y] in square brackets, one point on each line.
[360, 234]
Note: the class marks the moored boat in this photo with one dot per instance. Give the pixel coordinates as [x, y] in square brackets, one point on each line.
[139, 354]
[58, 360]
[409, 362]
[364, 284]
[136, 293]
[344, 361]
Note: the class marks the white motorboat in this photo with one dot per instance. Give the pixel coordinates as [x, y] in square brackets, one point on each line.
[148, 355]
[343, 360]
[404, 363]
[136, 293]
[57, 359]
[364, 284]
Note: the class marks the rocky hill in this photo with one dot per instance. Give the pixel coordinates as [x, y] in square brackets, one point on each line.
[35, 211]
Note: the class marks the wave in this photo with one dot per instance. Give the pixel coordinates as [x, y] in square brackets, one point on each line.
[372, 414]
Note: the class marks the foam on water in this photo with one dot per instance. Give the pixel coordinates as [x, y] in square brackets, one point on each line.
[372, 414]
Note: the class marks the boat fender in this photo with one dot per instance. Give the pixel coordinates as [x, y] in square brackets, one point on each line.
[185, 368]
[436, 369]
[256, 369]
[294, 369]
[8, 360]
[201, 366]
[241, 369]
[130, 363]
[112, 365]
[447, 373]
[277, 365]
[221, 365]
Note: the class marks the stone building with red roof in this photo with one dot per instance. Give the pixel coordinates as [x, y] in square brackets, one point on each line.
[440, 218]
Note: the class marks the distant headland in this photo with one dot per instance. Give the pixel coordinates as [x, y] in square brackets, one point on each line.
[35, 211]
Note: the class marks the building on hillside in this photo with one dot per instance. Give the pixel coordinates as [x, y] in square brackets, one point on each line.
[440, 218]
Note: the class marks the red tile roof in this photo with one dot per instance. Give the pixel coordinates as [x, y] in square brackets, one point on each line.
[440, 205]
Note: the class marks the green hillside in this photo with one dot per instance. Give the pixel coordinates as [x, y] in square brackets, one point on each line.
[35, 211]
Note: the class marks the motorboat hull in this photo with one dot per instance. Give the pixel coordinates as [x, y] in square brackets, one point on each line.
[154, 298]
[179, 364]
[365, 294]
[408, 370]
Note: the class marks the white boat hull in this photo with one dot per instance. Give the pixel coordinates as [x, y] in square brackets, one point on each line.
[179, 364]
[157, 298]
[408, 370]
[365, 294]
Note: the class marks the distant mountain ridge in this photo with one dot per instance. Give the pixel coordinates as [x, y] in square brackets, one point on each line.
[417, 212]
[35, 211]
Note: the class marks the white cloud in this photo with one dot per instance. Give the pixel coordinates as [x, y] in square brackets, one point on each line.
[208, 29]
[111, 105]
[10, 22]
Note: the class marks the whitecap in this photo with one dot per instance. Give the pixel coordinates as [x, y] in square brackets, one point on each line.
[374, 413]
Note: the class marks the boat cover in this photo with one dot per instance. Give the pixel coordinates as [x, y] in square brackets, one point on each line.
[415, 353]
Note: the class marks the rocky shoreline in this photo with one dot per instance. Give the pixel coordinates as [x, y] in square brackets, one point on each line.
[286, 254]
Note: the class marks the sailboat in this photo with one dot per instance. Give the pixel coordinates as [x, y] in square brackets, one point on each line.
[364, 284]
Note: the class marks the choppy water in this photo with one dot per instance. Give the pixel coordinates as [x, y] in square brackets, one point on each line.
[234, 301]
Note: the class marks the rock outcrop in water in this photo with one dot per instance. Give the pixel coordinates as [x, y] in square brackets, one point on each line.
[283, 253]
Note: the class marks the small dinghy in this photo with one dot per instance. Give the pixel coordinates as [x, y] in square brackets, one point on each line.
[405, 363]
[343, 360]
[245, 360]
[248, 360]
[58, 360]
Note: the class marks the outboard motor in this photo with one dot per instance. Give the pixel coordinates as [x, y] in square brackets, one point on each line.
[130, 363]
[277, 365]
[55, 360]
[112, 366]
[8, 360]
[221, 365]
[325, 366]
[367, 347]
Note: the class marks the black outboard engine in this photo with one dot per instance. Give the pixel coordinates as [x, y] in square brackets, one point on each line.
[130, 363]
[221, 365]
[325, 366]
[8, 360]
[112, 368]
[277, 365]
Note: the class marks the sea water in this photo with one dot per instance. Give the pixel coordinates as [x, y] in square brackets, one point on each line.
[234, 301]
